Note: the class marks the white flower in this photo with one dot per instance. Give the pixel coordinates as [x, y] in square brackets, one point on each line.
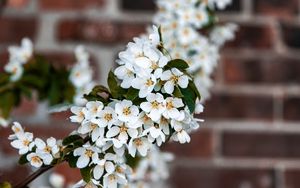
[92, 108]
[127, 112]
[92, 184]
[21, 54]
[112, 180]
[17, 129]
[154, 36]
[80, 75]
[199, 108]
[92, 129]
[174, 77]
[79, 115]
[126, 74]
[154, 106]
[145, 85]
[180, 135]
[82, 55]
[86, 153]
[105, 164]
[4, 122]
[123, 130]
[56, 180]
[221, 34]
[50, 149]
[35, 159]
[172, 105]
[105, 118]
[23, 142]
[186, 35]
[15, 69]
[140, 144]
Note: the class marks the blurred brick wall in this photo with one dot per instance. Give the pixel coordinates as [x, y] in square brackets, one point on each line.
[251, 137]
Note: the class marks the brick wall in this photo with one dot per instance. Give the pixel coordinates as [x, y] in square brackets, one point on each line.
[251, 136]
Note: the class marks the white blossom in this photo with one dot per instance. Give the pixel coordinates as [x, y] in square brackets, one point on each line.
[86, 153]
[154, 107]
[173, 78]
[140, 144]
[127, 112]
[24, 142]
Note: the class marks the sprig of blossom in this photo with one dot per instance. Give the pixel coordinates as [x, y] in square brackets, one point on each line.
[153, 103]
[81, 75]
[181, 21]
[36, 151]
[18, 56]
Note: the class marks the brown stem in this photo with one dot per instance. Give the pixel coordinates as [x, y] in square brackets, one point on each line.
[32, 177]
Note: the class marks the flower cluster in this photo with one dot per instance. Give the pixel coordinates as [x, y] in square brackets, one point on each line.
[18, 56]
[153, 103]
[81, 75]
[181, 21]
[36, 151]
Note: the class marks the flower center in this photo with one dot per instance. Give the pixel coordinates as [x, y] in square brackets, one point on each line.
[108, 117]
[155, 104]
[175, 78]
[26, 142]
[14, 71]
[112, 178]
[89, 153]
[126, 111]
[123, 128]
[119, 170]
[77, 74]
[47, 149]
[138, 142]
[169, 105]
[36, 159]
[149, 83]
[154, 66]
[94, 126]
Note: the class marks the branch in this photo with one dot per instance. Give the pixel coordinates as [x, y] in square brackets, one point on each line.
[32, 177]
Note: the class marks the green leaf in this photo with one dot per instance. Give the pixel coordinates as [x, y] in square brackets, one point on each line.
[132, 94]
[132, 161]
[94, 95]
[194, 88]
[189, 98]
[177, 92]
[8, 101]
[177, 63]
[115, 89]
[86, 174]
[23, 160]
[71, 139]
[72, 160]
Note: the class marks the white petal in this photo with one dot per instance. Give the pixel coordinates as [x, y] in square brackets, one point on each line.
[82, 161]
[169, 87]
[109, 167]
[112, 132]
[183, 81]
[98, 172]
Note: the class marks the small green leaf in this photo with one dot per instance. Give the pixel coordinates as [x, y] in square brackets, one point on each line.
[86, 174]
[177, 92]
[71, 139]
[194, 87]
[72, 160]
[132, 94]
[115, 89]
[23, 160]
[189, 98]
[177, 63]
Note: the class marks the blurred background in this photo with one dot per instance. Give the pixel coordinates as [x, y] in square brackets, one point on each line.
[251, 134]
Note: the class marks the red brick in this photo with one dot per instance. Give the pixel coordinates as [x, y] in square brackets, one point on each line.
[292, 178]
[17, 3]
[108, 32]
[261, 145]
[226, 106]
[260, 71]
[213, 177]
[14, 29]
[282, 8]
[70, 4]
[290, 34]
[253, 36]
[201, 146]
[291, 108]
[137, 5]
